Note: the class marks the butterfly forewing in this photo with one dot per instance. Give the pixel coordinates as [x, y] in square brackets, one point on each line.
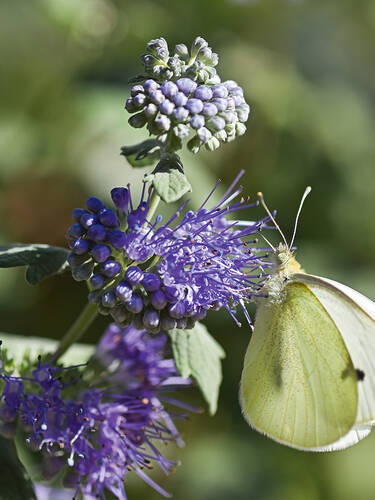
[354, 316]
[298, 384]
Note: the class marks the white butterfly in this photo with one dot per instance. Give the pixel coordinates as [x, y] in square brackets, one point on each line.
[309, 372]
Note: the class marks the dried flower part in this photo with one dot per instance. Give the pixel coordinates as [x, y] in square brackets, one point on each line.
[184, 96]
[101, 435]
[166, 276]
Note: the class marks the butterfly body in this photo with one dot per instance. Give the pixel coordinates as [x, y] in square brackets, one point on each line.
[309, 378]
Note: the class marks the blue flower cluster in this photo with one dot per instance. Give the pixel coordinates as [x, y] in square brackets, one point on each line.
[161, 277]
[187, 103]
[100, 435]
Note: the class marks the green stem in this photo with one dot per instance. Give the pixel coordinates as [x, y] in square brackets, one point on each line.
[154, 202]
[77, 329]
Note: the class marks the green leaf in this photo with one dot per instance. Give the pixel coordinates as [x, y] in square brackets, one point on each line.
[170, 186]
[41, 260]
[15, 483]
[17, 345]
[197, 354]
[143, 154]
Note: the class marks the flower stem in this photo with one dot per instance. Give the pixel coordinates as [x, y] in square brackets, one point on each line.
[77, 329]
[154, 202]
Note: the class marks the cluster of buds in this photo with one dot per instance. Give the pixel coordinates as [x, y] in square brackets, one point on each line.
[198, 64]
[186, 104]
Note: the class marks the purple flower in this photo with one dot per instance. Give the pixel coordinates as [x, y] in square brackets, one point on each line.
[101, 435]
[205, 261]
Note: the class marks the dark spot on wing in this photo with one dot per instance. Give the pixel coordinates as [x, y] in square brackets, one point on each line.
[360, 374]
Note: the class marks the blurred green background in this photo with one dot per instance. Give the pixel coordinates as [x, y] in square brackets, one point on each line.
[308, 73]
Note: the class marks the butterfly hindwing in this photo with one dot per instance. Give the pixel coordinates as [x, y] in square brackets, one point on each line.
[298, 385]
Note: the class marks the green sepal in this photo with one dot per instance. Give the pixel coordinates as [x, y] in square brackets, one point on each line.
[168, 178]
[197, 354]
[143, 154]
[15, 483]
[41, 260]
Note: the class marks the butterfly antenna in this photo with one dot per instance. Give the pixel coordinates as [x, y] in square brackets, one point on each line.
[267, 241]
[305, 194]
[261, 199]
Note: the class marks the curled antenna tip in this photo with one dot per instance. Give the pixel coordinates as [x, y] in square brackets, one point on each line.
[260, 194]
[308, 189]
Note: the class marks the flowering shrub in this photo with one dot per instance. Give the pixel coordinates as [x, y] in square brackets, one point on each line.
[87, 426]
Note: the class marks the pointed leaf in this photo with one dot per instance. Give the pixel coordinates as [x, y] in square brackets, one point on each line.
[41, 260]
[17, 345]
[143, 154]
[15, 483]
[197, 354]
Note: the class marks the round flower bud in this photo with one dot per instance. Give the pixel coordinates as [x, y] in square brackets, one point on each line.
[119, 314]
[230, 85]
[100, 253]
[150, 85]
[220, 103]
[97, 232]
[139, 101]
[180, 99]
[88, 220]
[83, 272]
[238, 100]
[136, 89]
[75, 260]
[166, 107]
[243, 114]
[204, 134]
[212, 144]
[158, 299]
[138, 120]
[134, 275]
[77, 214]
[198, 44]
[117, 238]
[151, 282]
[216, 123]
[111, 268]
[163, 123]
[174, 293]
[203, 93]
[150, 110]
[75, 231]
[108, 299]
[94, 204]
[181, 323]
[195, 106]
[181, 51]
[120, 197]
[80, 246]
[220, 91]
[181, 131]
[97, 281]
[180, 114]
[168, 323]
[157, 97]
[197, 121]
[186, 85]
[169, 89]
[148, 60]
[108, 217]
[209, 109]
[130, 105]
[135, 304]
[151, 318]
[124, 291]
[229, 116]
[240, 128]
